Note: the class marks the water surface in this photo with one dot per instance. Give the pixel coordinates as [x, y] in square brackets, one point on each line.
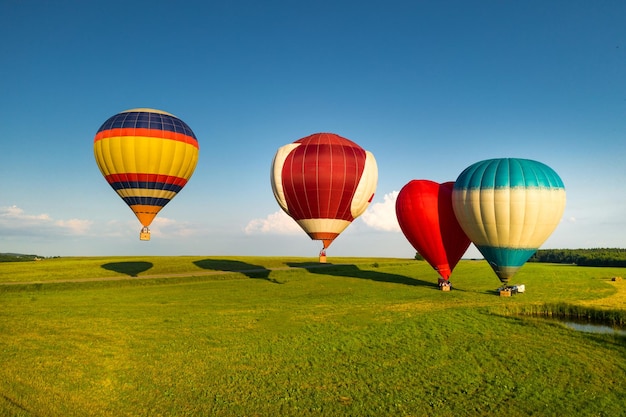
[595, 328]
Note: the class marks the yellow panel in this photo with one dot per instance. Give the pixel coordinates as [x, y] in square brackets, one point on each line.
[126, 158]
[146, 155]
[100, 152]
[195, 154]
[144, 192]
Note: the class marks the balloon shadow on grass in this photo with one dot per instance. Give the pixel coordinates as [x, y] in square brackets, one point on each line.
[228, 265]
[129, 268]
[353, 271]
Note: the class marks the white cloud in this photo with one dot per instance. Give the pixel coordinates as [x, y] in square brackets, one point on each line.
[163, 226]
[379, 216]
[382, 216]
[116, 228]
[14, 213]
[277, 223]
[75, 226]
[14, 221]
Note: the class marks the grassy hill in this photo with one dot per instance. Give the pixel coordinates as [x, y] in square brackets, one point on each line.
[18, 257]
[246, 336]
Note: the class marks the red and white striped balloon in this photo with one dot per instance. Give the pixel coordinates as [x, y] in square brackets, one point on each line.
[324, 182]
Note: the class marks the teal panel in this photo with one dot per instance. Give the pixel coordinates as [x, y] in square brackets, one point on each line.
[508, 172]
[506, 257]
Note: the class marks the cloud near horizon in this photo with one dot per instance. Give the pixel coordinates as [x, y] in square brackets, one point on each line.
[379, 216]
[278, 223]
[163, 226]
[382, 216]
[14, 221]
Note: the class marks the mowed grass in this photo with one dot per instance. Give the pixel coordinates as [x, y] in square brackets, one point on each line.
[362, 337]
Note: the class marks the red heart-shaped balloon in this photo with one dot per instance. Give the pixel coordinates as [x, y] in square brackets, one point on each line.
[425, 214]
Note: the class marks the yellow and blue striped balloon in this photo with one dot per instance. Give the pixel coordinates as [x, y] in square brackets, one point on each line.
[508, 207]
[147, 156]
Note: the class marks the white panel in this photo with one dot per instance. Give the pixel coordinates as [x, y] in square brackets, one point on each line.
[276, 176]
[323, 225]
[367, 186]
[516, 218]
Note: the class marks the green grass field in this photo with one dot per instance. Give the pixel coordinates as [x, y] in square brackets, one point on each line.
[191, 336]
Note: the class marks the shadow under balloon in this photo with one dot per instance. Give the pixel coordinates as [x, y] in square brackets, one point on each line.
[353, 271]
[228, 265]
[130, 268]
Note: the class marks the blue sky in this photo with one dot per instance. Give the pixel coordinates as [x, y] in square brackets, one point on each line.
[428, 87]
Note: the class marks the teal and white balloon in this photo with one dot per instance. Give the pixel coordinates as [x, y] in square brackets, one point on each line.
[508, 207]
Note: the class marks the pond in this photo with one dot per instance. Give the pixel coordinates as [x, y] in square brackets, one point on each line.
[594, 328]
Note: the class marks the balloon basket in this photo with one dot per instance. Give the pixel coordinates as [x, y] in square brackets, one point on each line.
[322, 259]
[511, 291]
[144, 234]
[445, 288]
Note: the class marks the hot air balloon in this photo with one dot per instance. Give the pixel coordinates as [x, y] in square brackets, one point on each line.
[508, 207]
[147, 156]
[324, 182]
[425, 214]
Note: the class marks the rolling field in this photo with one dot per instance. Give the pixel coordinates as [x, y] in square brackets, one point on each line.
[256, 336]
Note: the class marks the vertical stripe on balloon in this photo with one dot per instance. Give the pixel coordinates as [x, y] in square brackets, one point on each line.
[323, 181]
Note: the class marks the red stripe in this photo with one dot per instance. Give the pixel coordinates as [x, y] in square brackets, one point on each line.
[151, 133]
[321, 176]
[131, 176]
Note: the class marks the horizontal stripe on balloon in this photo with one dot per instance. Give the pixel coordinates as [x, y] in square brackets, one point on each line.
[148, 133]
[510, 217]
[506, 257]
[147, 119]
[144, 180]
[119, 155]
[144, 192]
[508, 173]
[146, 201]
[146, 187]
[313, 226]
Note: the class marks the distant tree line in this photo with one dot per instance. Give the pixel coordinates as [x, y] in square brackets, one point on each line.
[18, 257]
[582, 257]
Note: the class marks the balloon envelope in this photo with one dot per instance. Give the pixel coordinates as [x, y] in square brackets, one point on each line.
[425, 214]
[147, 156]
[508, 207]
[324, 182]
